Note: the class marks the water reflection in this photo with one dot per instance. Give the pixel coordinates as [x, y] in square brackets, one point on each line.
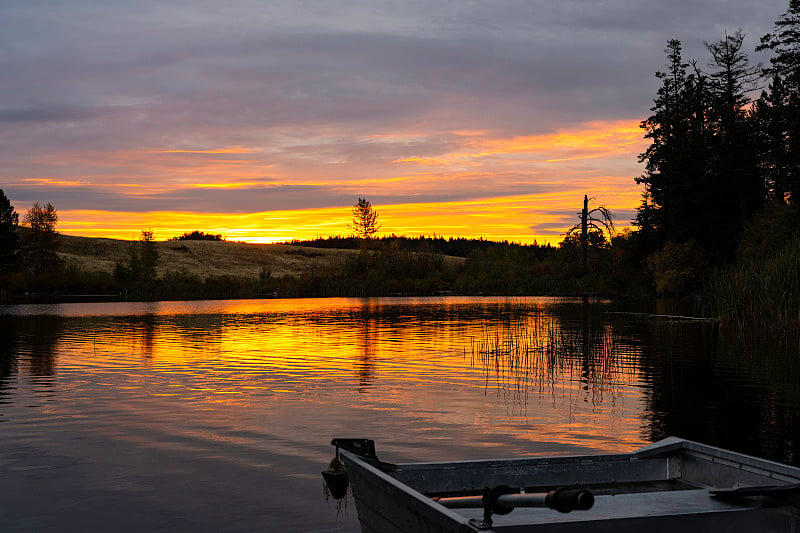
[571, 353]
[8, 362]
[723, 388]
[367, 343]
[255, 390]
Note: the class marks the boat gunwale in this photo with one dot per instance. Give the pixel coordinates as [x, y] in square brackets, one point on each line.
[663, 449]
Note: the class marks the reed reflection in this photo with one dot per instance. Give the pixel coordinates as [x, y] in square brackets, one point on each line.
[556, 352]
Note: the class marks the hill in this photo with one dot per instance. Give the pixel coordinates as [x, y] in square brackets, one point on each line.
[205, 258]
[213, 258]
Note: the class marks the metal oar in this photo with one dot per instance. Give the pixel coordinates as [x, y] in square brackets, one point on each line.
[503, 500]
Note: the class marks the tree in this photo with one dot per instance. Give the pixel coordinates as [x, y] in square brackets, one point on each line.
[772, 124]
[142, 260]
[701, 176]
[9, 238]
[148, 256]
[734, 177]
[784, 42]
[593, 225]
[41, 240]
[365, 220]
[676, 171]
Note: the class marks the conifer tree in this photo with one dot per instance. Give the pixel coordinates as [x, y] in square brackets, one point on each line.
[733, 170]
[9, 238]
[365, 219]
[784, 42]
[771, 120]
[675, 178]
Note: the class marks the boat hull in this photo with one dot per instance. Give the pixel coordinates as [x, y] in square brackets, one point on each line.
[665, 487]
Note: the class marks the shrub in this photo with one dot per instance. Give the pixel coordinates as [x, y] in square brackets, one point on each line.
[679, 269]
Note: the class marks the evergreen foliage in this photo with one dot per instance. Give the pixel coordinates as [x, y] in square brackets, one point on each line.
[784, 42]
[143, 260]
[714, 160]
[9, 238]
[365, 220]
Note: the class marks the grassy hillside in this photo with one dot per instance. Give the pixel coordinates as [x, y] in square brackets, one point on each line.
[213, 258]
[206, 258]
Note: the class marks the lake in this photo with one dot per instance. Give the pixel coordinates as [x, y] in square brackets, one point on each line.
[217, 415]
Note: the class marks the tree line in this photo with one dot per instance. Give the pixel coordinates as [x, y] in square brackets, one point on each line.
[718, 156]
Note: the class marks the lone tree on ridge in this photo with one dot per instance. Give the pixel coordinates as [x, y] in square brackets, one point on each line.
[365, 220]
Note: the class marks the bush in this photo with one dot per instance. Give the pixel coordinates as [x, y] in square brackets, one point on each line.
[679, 269]
[197, 236]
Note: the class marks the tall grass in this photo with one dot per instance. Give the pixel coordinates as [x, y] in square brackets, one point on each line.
[544, 352]
[762, 292]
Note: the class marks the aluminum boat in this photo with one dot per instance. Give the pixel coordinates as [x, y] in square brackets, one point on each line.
[671, 485]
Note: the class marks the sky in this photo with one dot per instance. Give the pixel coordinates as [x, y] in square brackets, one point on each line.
[267, 120]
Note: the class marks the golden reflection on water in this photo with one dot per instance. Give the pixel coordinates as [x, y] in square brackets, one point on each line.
[299, 369]
[172, 405]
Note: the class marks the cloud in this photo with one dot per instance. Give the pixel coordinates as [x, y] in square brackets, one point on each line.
[46, 113]
[285, 104]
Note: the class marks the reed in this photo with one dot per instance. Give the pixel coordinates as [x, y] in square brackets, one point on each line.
[549, 353]
[762, 292]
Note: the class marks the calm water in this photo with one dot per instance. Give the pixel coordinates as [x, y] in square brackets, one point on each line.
[216, 416]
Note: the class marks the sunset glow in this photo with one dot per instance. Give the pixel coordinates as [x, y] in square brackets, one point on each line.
[268, 123]
[523, 189]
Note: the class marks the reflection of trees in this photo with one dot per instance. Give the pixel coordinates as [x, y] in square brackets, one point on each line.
[40, 335]
[145, 327]
[35, 337]
[8, 356]
[368, 332]
[723, 389]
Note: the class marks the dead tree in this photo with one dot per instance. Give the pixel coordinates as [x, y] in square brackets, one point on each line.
[598, 219]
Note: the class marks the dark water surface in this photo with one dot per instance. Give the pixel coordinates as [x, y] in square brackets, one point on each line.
[216, 416]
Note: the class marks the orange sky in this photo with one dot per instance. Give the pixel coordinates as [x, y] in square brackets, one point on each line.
[524, 188]
[267, 121]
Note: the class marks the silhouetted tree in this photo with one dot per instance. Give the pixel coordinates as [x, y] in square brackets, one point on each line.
[701, 176]
[597, 221]
[772, 125]
[198, 236]
[734, 178]
[40, 242]
[365, 219]
[148, 256]
[9, 238]
[784, 42]
[142, 260]
[676, 173]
